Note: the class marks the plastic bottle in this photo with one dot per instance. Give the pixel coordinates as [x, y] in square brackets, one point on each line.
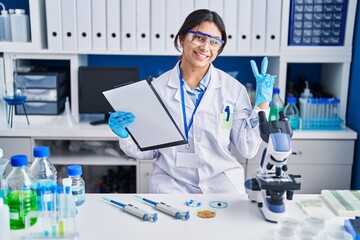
[276, 105]
[5, 26]
[4, 221]
[20, 26]
[43, 171]
[78, 184]
[3, 164]
[20, 194]
[292, 113]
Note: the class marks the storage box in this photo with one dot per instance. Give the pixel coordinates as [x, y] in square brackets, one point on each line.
[40, 79]
[317, 22]
[41, 108]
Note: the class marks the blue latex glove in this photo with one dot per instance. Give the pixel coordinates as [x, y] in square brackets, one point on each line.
[118, 122]
[264, 82]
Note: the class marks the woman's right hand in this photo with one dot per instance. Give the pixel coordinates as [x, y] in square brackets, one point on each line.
[118, 122]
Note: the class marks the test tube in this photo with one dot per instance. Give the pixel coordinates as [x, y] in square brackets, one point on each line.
[53, 210]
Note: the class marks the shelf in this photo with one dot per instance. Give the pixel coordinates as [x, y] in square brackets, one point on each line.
[91, 159]
[131, 53]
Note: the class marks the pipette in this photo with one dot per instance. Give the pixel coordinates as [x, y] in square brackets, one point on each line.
[134, 210]
[178, 214]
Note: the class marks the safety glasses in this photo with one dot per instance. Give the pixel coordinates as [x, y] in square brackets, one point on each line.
[200, 38]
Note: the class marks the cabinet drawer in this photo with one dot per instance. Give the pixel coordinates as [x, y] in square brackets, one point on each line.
[41, 80]
[44, 94]
[322, 152]
[41, 108]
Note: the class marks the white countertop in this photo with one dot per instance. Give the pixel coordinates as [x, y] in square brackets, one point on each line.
[58, 127]
[240, 220]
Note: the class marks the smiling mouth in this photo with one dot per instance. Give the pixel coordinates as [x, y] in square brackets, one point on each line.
[201, 55]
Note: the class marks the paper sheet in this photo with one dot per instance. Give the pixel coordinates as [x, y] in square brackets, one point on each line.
[153, 127]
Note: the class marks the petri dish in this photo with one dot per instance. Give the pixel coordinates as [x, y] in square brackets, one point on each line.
[288, 222]
[307, 233]
[206, 213]
[338, 235]
[284, 233]
[315, 223]
[218, 203]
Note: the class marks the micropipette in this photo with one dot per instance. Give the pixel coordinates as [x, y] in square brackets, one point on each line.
[134, 210]
[178, 214]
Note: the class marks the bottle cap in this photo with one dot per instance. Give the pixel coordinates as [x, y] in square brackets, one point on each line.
[18, 11]
[41, 151]
[74, 170]
[4, 13]
[276, 90]
[291, 100]
[19, 160]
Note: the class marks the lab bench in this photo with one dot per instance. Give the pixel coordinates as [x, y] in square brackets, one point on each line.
[241, 219]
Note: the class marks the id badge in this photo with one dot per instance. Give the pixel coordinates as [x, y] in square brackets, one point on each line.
[187, 160]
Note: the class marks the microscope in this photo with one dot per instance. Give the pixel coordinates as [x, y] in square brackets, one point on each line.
[271, 181]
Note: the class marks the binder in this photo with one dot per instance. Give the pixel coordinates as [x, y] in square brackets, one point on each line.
[98, 15]
[186, 7]
[128, 24]
[172, 23]
[157, 39]
[201, 4]
[83, 16]
[68, 18]
[273, 23]
[230, 20]
[217, 6]
[113, 25]
[244, 26]
[143, 25]
[258, 24]
[54, 24]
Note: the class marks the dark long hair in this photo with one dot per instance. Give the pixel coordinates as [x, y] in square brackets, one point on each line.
[196, 18]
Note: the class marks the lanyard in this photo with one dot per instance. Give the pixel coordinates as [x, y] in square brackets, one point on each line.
[186, 126]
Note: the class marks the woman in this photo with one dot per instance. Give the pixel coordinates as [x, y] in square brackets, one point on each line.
[211, 108]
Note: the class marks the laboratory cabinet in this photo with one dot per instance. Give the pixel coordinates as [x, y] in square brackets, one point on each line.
[318, 159]
[322, 163]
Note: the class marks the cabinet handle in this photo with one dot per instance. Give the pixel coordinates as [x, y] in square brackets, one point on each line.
[300, 153]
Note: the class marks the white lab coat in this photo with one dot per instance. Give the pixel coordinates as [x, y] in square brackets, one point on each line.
[206, 165]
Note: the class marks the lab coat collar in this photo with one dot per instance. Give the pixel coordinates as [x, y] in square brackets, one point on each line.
[175, 84]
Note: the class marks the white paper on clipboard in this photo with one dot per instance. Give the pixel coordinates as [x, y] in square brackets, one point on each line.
[153, 127]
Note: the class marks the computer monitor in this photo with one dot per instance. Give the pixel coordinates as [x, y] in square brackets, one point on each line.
[94, 80]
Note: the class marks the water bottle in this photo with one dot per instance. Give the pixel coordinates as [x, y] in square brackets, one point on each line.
[303, 100]
[20, 26]
[20, 194]
[276, 105]
[78, 184]
[292, 113]
[3, 164]
[43, 171]
[4, 221]
[5, 26]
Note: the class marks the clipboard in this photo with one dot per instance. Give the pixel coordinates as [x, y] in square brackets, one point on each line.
[153, 127]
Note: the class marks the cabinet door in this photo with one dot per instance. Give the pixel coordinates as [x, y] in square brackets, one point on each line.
[322, 164]
[15, 146]
[145, 169]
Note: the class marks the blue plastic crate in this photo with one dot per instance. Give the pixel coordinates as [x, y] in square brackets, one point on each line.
[317, 22]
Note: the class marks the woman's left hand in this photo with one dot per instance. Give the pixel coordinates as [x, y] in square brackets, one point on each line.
[264, 82]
